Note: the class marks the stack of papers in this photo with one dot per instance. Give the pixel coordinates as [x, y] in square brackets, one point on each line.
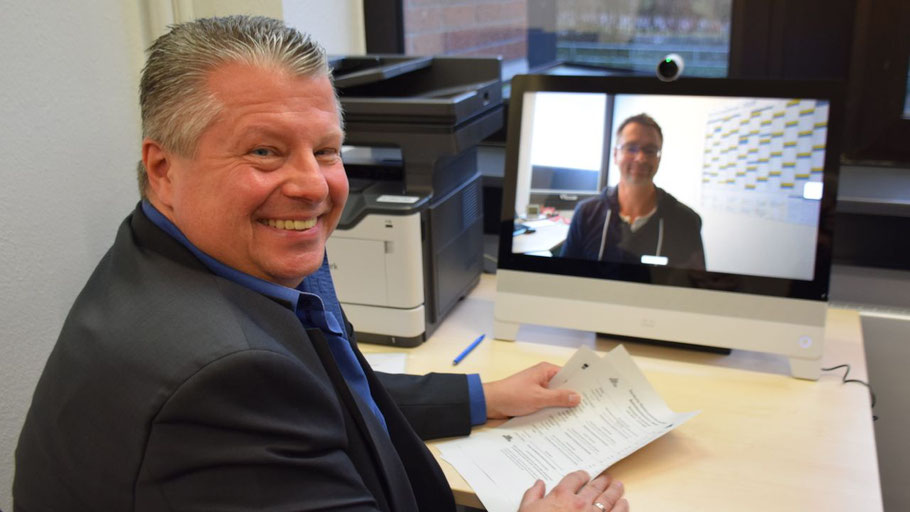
[619, 413]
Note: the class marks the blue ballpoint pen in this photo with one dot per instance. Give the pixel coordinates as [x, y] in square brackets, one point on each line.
[468, 350]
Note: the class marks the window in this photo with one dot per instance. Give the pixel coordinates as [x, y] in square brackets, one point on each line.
[878, 102]
[863, 43]
[636, 35]
[628, 36]
[468, 28]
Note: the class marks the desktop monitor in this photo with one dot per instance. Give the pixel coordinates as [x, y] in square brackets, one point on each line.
[697, 211]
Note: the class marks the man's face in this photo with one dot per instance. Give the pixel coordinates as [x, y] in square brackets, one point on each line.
[266, 186]
[635, 154]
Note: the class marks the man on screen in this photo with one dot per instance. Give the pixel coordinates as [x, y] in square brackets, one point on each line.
[636, 221]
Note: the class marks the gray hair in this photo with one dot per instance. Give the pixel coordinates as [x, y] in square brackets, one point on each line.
[175, 102]
[644, 120]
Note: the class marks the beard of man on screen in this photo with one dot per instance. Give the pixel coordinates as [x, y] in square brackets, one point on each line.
[636, 221]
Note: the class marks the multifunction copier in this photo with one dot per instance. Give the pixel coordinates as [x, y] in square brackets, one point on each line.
[409, 244]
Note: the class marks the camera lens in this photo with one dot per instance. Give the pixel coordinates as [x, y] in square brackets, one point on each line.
[668, 68]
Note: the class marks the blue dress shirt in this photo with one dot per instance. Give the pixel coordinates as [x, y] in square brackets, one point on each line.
[316, 305]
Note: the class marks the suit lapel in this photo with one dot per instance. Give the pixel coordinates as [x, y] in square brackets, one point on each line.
[394, 479]
[427, 481]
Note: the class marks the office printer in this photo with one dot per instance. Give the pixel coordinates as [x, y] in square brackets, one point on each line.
[409, 244]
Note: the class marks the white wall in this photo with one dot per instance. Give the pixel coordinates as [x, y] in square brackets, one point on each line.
[69, 143]
[337, 24]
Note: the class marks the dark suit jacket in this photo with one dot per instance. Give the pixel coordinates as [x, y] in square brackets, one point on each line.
[173, 389]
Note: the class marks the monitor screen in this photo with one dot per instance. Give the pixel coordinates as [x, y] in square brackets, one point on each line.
[700, 183]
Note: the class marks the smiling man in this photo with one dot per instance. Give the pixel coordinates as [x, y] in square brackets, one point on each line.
[636, 221]
[265, 185]
[207, 364]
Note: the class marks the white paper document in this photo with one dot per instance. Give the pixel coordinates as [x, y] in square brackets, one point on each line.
[619, 413]
[387, 362]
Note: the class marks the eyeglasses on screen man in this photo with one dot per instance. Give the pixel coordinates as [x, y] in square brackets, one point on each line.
[634, 149]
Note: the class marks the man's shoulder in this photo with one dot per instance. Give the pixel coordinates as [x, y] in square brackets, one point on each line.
[147, 308]
[593, 205]
[676, 208]
[146, 322]
[146, 327]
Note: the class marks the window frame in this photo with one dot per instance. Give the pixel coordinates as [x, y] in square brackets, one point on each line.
[383, 22]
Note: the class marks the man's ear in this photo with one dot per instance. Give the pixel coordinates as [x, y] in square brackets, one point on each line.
[158, 166]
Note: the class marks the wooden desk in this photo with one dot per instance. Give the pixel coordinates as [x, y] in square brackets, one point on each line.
[763, 441]
[544, 238]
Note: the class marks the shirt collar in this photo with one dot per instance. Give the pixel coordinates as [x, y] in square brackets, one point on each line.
[639, 221]
[307, 296]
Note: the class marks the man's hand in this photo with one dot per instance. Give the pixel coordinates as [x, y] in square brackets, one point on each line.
[526, 392]
[576, 494]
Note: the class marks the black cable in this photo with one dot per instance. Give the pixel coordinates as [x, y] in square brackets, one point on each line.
[846, 380]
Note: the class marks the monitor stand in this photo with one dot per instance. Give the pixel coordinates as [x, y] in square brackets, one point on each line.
[794, 328]
[666, 344]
